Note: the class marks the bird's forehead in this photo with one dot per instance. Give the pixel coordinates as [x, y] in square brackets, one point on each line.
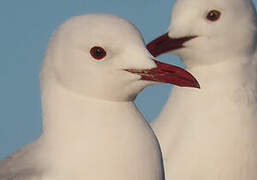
[185, 10]
[99, 26]
[194, 10]
[200, 4]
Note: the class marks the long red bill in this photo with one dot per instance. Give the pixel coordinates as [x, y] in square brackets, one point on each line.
[164, 44]
[167, 73]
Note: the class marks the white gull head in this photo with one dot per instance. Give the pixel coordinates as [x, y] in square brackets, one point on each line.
[203, 32]
[103, 56]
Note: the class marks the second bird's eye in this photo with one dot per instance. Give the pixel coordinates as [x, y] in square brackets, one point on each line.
[213, 15]
[98, 52]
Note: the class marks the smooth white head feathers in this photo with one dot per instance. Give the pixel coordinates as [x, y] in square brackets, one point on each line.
[69, 62]
[223, 29]
[104, 56]
[204, 32]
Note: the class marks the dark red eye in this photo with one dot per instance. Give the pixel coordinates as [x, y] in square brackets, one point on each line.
[97, 52]
[213, 15]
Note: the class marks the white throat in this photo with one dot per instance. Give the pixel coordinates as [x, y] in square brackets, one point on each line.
[92, 134]
[211, 132]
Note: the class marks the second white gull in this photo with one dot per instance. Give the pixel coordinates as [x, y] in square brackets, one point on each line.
[211, 133]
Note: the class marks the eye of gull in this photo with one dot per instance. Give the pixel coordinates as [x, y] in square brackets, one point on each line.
[98, 52]
[213, 15]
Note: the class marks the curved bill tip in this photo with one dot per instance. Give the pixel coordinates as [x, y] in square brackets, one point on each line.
[167, 73]
[174, 75]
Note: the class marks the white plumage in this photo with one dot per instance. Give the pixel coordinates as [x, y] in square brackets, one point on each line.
[91, 128]
[211, 133]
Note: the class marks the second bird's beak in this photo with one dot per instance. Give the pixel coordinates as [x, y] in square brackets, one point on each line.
[167, 73]
[165, 44]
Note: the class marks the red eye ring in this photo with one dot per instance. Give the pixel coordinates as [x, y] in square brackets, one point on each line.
[213, 15]
[98, 52]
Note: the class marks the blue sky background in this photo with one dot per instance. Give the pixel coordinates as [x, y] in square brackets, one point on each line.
[25, 27]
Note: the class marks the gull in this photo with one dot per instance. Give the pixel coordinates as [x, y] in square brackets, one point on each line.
[93, 67]
[211, 133]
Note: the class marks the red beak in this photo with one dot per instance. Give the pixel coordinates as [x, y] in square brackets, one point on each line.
[167, 74]
[164, 44]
